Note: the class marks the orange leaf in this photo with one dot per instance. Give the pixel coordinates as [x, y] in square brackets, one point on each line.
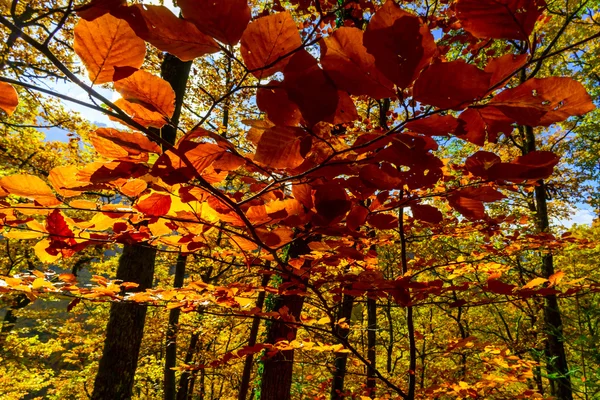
[154, 205]
[9, 99]
[161, 28]
[107, 42]
[225, 20]
[31, 187]
[112, 143]
[281, 147]
[63, 179]
[140, 114]
[150, 91]
[133, 187]
[555, 278]
[268, 42]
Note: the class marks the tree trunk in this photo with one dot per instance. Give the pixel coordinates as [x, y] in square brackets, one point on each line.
[184, 379]
[276, 381]
[170, 390]
[247, 373]
[371, 345]
[125, 327]
[341, 359]
[556, 357]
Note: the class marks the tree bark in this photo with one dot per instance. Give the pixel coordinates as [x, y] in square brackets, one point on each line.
[170, 389]
[247, 373]
[556, 357]
[276, 381]
[184, 379]
[125, 327]
[341, 359]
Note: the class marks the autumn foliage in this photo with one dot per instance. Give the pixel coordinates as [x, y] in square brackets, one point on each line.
[327, 189]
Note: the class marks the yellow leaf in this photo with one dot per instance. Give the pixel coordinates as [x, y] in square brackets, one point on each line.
[42, 254]
[39, 283]
[22, 234]
[535, 282]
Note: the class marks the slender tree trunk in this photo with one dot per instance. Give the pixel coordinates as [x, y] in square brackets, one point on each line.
[410, 324]
[125, 327]
[10, 319]
[276, 381]
[371, 345]
[556, 357]
[341, 359]
[184, 379]
[247, 373]
[170, 390]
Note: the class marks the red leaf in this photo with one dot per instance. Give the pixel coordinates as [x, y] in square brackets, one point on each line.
[331, 202]
[268, 43]
[356, 217]
[352, 69]
[275, 102]
[472, 209]
[225, 20]
[481, 125]
[503, 67]
[383, 221]
[308, 87]
[499, 287]
[384, 177]
[57, 226]
[452, 85]
[499, 19]
[435, 125]
[426, 213]
[544, 101]
[401, 45]
[154, 205]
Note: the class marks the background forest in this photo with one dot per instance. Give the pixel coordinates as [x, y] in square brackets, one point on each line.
[303, 199]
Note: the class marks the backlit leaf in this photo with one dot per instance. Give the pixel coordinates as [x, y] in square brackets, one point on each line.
[268, 42]
[149, 91]
[31, 187]
[401, 44]
[161, 28]
[8, 98]
[224, 20]
[105, 43]
[499, 19]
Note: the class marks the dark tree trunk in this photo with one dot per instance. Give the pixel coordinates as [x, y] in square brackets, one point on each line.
[371, 345]
[184, 379]
[125, 327]
[247, 373]
[556, 357]
[10, 319]
[170, 390]
[341, 359]
[276, 381]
